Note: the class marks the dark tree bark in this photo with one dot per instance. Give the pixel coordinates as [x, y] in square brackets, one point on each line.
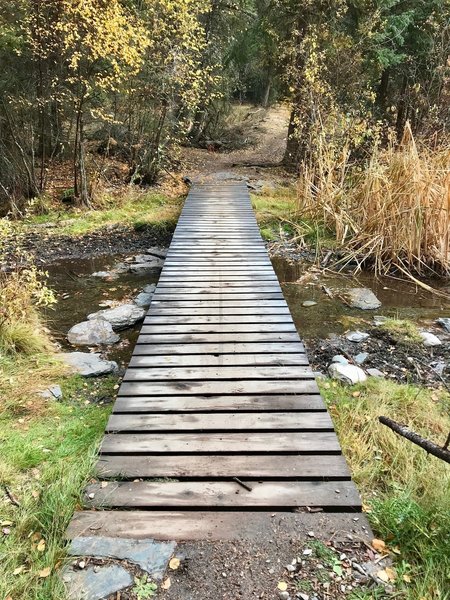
[439, 451]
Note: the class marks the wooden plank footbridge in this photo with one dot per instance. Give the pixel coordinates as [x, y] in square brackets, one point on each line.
[219, 416]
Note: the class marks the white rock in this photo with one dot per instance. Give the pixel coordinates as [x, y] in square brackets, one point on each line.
[339, 358]
[375, 373]
[308, 303]
[89, 365]
[346, 373]
[121, 317]
[356, 336]
[429, 339]
[94, 332]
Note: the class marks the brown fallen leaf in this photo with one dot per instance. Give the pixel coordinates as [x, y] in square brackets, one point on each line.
[174, 563]
[41, 546]
[35, 494]
[378, 545]
[406, 578]
[356, 394]
[45, 572]
[282, 586]
[166, 584]
[19, 570]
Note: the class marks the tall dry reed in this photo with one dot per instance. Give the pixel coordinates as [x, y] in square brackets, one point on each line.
[392, 214]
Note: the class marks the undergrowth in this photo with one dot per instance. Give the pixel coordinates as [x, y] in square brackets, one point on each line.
[134, 209]
[405, 491]
[48, 453]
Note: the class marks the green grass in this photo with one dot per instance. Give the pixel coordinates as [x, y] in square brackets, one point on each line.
[277, 215]
[48, 453]
[405, 491]
[134, 209]
[402, 331]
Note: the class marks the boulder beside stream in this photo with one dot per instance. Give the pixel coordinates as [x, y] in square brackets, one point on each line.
[87, 364]
[96, 332]
[361, 298]
[121, 317]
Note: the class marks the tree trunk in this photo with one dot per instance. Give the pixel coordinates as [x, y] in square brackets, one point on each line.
[382, 90]
[266, 96]
[402, 113]
[80, 187]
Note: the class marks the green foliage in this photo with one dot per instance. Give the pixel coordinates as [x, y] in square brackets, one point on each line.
[144, 588]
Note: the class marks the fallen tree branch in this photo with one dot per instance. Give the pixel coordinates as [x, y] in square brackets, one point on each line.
[415, 438]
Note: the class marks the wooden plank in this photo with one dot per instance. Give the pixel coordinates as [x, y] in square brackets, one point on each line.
[194, 388]
[220, 403]
[180, 296]
[238, 421]
[215, 526]
[223, 303]
[167, 286]
[217, 338]
[228, 443]
[286, 494]
[219, 279]
[221, 328]
[230, 348]
[189, 360]
[152, 319]
[166, 310]
[330, 467]
[220, 373]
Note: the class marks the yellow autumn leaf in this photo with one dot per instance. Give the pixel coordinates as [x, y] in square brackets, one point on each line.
[19, 570]
[406, 578]
[282, 586]
[391, 573]
[45, 572]
[174, 563]
[41, 546]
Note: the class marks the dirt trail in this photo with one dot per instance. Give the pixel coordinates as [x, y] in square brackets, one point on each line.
[267, 130]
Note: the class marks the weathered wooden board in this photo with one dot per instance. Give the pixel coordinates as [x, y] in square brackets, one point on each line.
[214, 349]
[217, 338]
[199, 360]
[245, 386]
[287, 494]
[224, 442]
[219, 328]
[199, 319]
[250, 466]
[238, 421]
[219, 373]
[218, 403]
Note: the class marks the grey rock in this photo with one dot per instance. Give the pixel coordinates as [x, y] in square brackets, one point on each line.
[158, 252]
[346, 373]
[339, 358]
[439, 367]
[91, 585]
[375, 373]
[145, 266]
[143, 300]
[309, 303]
[362, 298]
[121, 268]
[150, 288]
[445, 323]
[283, 595]
[429, 339]
[120, 317]
[89, 365]
[148, 554]
[361, 358]
[53, 391]
[94, 332]
[356, 336]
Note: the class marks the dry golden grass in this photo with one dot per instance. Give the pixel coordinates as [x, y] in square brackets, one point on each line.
[394, 213]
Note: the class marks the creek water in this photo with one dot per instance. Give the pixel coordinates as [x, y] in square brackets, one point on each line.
[79, 294]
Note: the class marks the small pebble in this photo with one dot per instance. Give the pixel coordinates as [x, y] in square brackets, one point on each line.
[81, 564]
[307, 552]
[311, 534]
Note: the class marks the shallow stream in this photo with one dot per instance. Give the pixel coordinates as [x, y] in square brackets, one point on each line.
[79, 294]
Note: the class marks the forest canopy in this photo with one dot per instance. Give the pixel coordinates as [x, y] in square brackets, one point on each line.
[138, 77]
